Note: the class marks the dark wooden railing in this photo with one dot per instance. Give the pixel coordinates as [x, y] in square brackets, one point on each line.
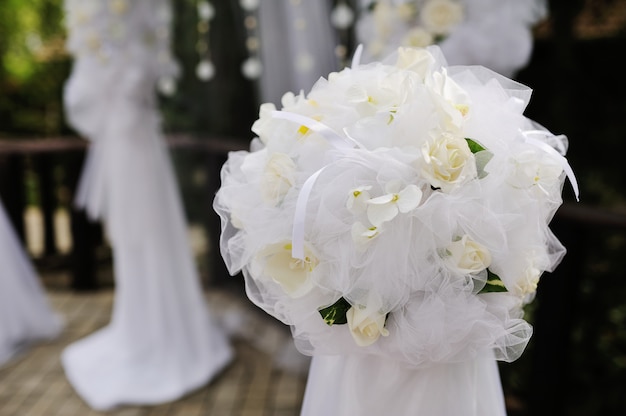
[46, 154]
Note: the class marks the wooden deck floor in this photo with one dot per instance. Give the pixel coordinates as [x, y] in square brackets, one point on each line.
[267, 377]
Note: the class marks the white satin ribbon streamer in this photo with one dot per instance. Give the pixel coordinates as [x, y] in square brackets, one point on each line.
[297, 233]
[356, 58]
[553, 152]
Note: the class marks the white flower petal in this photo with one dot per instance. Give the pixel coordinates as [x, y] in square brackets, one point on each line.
[378, 214]
[357, 200]
[409, 198]
[362, 235]
[381, 200]
[293, 275]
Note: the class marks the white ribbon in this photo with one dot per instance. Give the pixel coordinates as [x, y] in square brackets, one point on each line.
[554, 153]
[356, 58]
[335, 139]
[297, 232]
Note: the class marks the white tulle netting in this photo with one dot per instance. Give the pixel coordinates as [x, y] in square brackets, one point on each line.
[494, 33]
[400, 208]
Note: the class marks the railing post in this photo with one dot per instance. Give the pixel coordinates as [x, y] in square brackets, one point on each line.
[44, 169]
[84, 236]
[12, 191]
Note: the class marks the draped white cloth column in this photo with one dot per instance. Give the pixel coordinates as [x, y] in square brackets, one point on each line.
[162, 341]
[25, 313]
[373, 386]
[297, 46]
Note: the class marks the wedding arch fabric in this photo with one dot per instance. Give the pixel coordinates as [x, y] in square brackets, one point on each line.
[26, 316]
[294, 57]
[496, 34]
[162, 341]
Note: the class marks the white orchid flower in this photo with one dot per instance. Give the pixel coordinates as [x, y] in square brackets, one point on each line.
[278, 178]
[293, 275]
[385, 208]
[530, 170]
[454, 100]
[357, 199]
[362, 235]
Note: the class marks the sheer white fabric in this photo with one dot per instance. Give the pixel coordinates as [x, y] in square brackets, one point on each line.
[297, 46]
[162, 341]
[26, 316]
[374, 386]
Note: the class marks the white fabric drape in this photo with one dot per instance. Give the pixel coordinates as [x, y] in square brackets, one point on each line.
[162, 341]
[372, 386]
[25, 313]
[297, 46]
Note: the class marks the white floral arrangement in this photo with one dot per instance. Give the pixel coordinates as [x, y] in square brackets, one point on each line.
[115, 39]
[400, 208]
[492, 33]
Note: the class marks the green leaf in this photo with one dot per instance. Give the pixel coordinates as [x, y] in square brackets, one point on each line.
[494, 284]
[483, 156]
[335, 314]
[474, 146]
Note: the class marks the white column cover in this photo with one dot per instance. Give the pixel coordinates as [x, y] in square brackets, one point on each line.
[373, 386]
[162, 341]
[25, 314]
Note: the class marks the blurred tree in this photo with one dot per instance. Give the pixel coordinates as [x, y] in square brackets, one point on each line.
[33, 67]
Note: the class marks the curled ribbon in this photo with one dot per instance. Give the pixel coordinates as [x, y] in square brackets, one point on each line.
[554, 153]
[335, 139]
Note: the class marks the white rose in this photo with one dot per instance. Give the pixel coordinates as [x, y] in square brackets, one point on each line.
[293, 275]
[448, 162]
[419, 61]
[527, 285]
[440, 16]
[261, 127]
[278, 177]
[383, 19]
[418, 38]
[405, 11]
[467, 256]
[366, 326]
